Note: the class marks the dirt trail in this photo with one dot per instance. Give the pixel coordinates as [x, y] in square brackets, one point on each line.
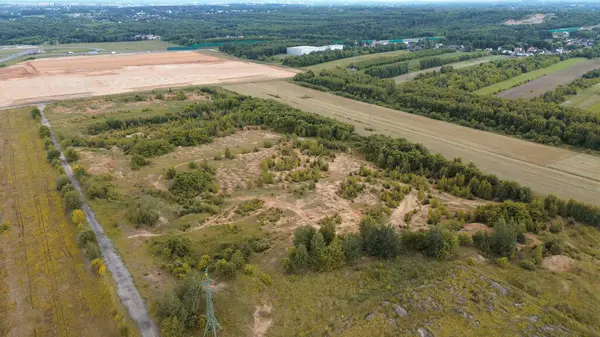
[262, 321]
[128, 293]
[408, 203]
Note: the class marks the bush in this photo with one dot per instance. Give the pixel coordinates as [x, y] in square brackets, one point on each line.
[152, 148]
[52, 155]
[193, 165]
[440, 243]
[143, 212]
[379, 240]
[61, 181]
[228, 154]
[92, 251]
[97, 190]
[528, 264]
[248, 206]
[554, 246]
[138, 161]
[414, 240]
[556, 226]
[36, 113]
[538, 254]
[72, 200]
[43, 131]
[171, 172]
[503, 241]
[78, 217]
[225, 268]
[502, 262]
[352, 245]
[191, 184]
[266, 279]
[86, 236]
[71, 155]
[171, 327]
[465, 239]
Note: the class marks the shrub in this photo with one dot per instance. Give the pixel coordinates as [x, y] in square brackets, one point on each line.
[554, 246]
[138, 161]
[71, 155]
[72, 200]
[225, 268]
[143, 212]
[502, 262]
[538, 254]
[465, 239]
[248, 206]
[36, 113]
[556, 226]
[303, 235]
[78, 217]
[92, 251]
[193, 165]
[61, 181]
[503, 241]
[86, 236]
[379, 240]
[440, 243]
[171, 172]
[97, 190]
[152, 148]
[171, 327]
[191, 184]
[528, 264]
[266, 279]
[52, 154]
[228, 154]
[43, 131]
[328, 227]
[352, 245]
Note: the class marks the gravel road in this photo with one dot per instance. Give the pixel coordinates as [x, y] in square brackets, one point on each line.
[129, 295]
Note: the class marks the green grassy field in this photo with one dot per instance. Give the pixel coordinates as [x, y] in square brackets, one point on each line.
[343, 63]
[109, 46]
[510, 83]
[588, 99]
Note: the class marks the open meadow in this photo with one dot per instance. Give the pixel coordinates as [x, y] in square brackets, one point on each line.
[46, 80]
[47, 287]
[199, 179]
[587, 99]
[108, 47]
[539, 74]
[550, 81]
[535, 165]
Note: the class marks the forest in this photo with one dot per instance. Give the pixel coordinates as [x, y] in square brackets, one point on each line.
[474, 26]
[447, 95]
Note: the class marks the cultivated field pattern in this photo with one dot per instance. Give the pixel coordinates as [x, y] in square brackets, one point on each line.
[550, 82]
[545, 169]
[44, 288]
[82, 76]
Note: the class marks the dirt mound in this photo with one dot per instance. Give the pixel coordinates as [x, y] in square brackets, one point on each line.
[558, 263]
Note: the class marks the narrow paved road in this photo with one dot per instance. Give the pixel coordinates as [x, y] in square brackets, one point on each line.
[129, 295]
[19, 54]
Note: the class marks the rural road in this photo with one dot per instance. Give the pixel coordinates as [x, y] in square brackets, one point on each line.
[19, 54]
[128, 293]
[546, 169]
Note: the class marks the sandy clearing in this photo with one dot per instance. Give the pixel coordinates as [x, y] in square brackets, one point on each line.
[83, 76]
[508, 158]
[550, 82]
[558, 263]
[529, 20]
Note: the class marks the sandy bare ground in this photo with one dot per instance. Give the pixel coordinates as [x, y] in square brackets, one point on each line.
[530, 20]
[550, 82]
[83, 76]
[545, 169]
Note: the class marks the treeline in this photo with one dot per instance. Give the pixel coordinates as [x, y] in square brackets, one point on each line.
[559, 95]
[256, 51]
[440, 96]
[486, 74]
[400, 58]
[331, 55]
[438, 61]
[389, 70]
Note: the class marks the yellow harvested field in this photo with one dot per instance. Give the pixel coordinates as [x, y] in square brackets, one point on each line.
[545, 169]
[51, 79]
[45, 288]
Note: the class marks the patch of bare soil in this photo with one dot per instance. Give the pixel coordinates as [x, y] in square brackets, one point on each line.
[235, 173]
[262, 320]
[473, 228]
[98, 163]
[344, 164]
[558, 263]
[530, 20]
[409, 202]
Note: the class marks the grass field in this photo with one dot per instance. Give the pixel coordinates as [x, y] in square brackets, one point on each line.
[528, 163]
[588, 99]
[457, 65]
[532, 75]
[343, 63]
[466, 296]
[107, 47]
[46, 289]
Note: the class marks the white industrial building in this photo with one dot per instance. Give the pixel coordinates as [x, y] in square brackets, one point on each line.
[303, 50]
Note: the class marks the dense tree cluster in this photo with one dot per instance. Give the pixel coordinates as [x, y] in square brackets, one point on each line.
[331, 55]
[446, 96]
[381, 61]
[389, 70]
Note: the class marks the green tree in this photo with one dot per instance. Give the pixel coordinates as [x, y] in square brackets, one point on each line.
[440, 243]
[72, 200]
[138, 161]
[71, 155]
[301, 259]
[353, 246]
[335, 255]
[318, 253]
[503, 241]
[171, 327]
[171, 172]
[36, 113]
[43, 131]
[328, 228]
[538, 254]
[304, 235]
[238, 259]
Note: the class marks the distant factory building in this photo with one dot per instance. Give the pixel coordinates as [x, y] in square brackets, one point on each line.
[303, 50]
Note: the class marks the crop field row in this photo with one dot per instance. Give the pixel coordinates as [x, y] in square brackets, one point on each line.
[46, 289]
[529, 76]
[545, 169]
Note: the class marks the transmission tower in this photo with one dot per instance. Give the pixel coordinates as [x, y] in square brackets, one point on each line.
[211, 320]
